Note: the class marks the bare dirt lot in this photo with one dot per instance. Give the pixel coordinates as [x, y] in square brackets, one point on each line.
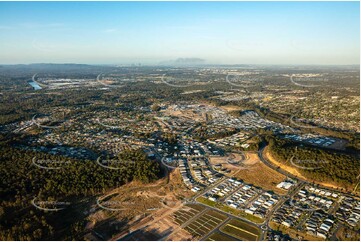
[233, 161]
[187, 114]
[251, 170]
[290, 169]
[230, 108]
[135, 205]
[164, 228]
[259, 174]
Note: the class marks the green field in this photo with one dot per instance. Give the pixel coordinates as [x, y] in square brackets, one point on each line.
[206, 201]
[241, 230]
[220, 237]
[240, 213]
[230, 210]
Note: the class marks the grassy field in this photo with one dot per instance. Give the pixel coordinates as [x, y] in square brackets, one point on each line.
[230, 210]
[242, 214]
[241, 230]
[216, 236]
[206, 201]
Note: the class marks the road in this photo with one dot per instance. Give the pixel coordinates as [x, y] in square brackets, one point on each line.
[263, 226]
[272, 166]
[288, 174]
[215, 229]
[301, 182]
[232, 216]
[185, 224]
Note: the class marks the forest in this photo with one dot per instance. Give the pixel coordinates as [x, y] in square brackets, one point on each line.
[22, 181]
[317, 164]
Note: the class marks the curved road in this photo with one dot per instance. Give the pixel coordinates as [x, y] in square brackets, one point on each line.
[288, 174]
[265, 225]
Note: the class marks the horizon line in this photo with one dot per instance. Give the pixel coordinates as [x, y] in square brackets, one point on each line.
[140, 64]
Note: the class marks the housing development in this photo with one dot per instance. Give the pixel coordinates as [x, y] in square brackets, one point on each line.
[180, 120]
[149, 157]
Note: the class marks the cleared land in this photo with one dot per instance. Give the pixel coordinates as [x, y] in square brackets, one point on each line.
[216, 236]
[232, 162]
[186, 213]
[141, 205]
[251, 170]
[205, 223]
[164, 228]
[187, 114]
[241, 230]
[231, 108]
[258, 174]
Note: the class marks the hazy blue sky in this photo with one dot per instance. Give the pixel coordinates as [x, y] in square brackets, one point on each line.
[146, 32]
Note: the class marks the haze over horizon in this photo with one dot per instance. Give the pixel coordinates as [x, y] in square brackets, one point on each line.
[271, 33]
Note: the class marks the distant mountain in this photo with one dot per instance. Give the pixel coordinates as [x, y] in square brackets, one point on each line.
[184, 61]
[189, 61]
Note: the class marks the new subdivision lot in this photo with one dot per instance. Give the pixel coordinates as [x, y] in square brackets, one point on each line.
[205, 223]
[186, 213]
[216, 236]
[241, 230]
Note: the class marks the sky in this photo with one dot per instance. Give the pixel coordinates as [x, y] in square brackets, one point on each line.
[275, 33]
